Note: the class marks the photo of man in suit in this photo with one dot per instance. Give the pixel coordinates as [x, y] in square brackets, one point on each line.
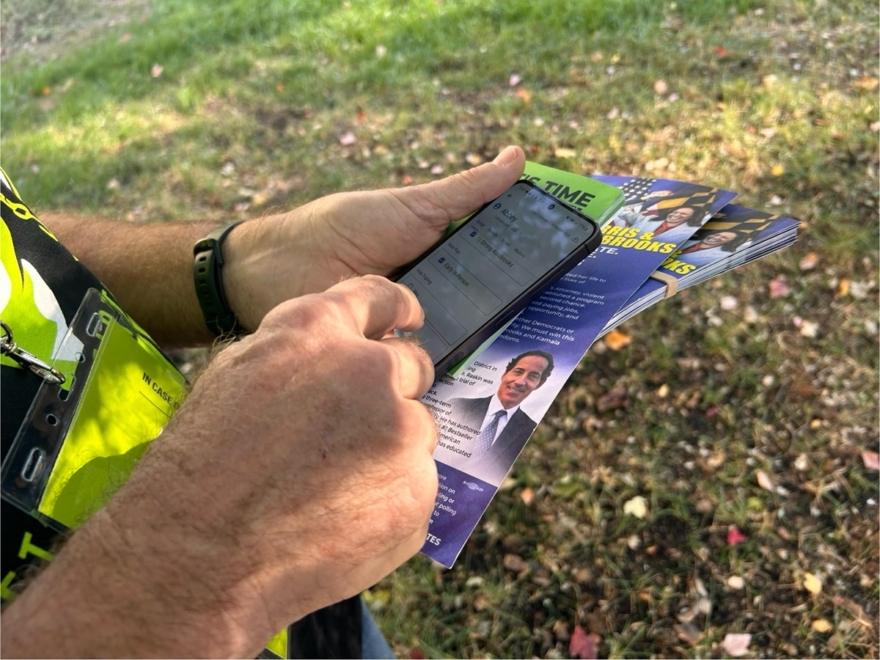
[501, 428]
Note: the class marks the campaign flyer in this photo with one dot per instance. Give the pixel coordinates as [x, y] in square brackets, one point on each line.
[734, 236]
[488, 412]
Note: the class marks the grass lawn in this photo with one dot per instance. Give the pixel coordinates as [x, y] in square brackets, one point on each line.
[754, 414]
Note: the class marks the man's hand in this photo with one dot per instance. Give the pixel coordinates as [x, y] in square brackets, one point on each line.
[317, 245]
[297, 473]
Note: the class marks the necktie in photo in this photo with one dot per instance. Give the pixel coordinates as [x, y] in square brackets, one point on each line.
[487, 436]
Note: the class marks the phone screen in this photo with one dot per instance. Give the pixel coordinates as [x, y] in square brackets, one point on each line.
[490, 261]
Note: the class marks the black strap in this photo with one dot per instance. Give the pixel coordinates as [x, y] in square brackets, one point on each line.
[207, 266]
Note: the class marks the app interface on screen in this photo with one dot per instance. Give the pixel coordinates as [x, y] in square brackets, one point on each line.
[483, 267]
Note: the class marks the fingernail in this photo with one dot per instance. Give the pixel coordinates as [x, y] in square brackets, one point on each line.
[507, 156]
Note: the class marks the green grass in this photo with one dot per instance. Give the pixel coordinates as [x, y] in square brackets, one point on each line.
[777, 100]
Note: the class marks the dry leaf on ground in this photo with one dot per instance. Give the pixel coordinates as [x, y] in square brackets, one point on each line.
[821, 625]
[584, 645]
[812, 584]
[637, 506]
[737, 644]
[765, 481]
[735, 536]
[615, 340]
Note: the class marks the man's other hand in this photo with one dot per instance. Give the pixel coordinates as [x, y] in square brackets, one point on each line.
[297, 473]
[279, 257]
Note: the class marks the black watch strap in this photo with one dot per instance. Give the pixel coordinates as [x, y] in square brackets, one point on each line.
[207, 271]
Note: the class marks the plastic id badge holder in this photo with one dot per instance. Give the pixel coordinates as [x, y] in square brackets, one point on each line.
[82, 438]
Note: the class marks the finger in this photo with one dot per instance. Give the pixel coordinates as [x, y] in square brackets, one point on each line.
[377, 305]
[416, 370]
[440, 202]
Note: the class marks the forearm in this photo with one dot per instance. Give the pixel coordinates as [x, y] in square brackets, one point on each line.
[147, 267]
[115, 592]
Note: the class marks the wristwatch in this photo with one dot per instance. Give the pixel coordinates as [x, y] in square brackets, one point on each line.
[207, 272]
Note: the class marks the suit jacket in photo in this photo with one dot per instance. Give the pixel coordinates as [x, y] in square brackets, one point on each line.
[495, 463]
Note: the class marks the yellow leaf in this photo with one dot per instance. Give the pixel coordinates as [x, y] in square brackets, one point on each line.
[866, 83]
[809, 261]
[524, 95]
[821, 626]
[616, 340]
[777, 170]
[637, 506]
[812, 584]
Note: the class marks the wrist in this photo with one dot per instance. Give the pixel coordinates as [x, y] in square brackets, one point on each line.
[265, 264]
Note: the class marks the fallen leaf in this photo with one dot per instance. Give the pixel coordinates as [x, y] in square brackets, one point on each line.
[615, 340]
[728, 303]
[660, 87]
[871, 459]
[560, 629]
[348, 139]
[515, 79]
[812, 584]
[855, 609]
[637, 506]
[156, 70]
[809, 329]
[687, 633]
[583, 645]
[736, 582]
[765, 482]
[809, 261]
[737, 644]
[514, 563]
[616, 398]
[735, 536]
[779, 288]
[866, 83]
[821, 626]
[527, 496]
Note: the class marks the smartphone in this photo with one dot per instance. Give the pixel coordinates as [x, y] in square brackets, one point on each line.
[488, 270]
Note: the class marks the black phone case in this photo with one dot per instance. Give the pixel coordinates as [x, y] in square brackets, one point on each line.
[473, 342]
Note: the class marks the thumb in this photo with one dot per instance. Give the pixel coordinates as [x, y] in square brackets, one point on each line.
[441, 202]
